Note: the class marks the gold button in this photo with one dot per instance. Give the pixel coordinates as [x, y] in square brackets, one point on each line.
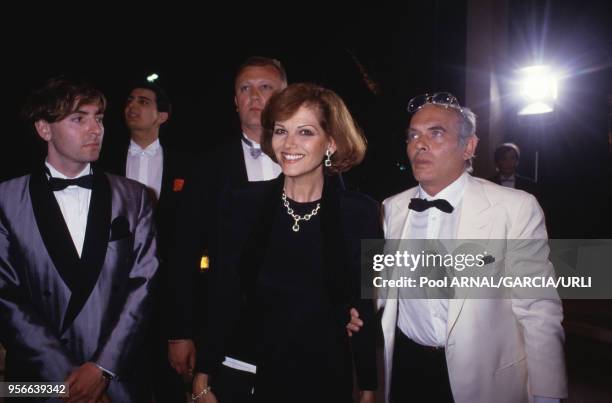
[204, 263]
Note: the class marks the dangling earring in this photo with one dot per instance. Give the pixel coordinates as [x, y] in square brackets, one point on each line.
[328, 155]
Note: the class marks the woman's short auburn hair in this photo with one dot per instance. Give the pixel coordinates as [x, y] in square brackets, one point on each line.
[334, 119]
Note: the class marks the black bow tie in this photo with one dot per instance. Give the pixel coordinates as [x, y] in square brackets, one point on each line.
[422, 205]
[57, 184]
[255, 152]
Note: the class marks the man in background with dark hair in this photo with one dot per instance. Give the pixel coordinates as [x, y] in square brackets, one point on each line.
[147, 159]
[77, 258]
[506, 159]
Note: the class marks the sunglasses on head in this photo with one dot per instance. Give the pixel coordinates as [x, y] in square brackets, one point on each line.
[439, 98]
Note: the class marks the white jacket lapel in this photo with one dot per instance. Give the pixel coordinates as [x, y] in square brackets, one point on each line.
[475, 222]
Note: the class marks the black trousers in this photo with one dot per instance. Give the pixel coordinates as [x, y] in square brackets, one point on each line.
[419, 373]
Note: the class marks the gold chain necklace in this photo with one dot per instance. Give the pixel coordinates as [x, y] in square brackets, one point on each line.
[296, 217]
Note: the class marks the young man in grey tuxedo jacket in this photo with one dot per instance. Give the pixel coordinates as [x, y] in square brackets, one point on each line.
[77, 258]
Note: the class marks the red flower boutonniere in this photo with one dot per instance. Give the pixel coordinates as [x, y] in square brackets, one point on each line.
[178, 184]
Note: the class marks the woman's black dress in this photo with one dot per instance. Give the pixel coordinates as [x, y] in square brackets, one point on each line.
[295, 291]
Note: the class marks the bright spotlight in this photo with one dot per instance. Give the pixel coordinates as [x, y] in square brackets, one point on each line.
[152, 77]
[538, 87]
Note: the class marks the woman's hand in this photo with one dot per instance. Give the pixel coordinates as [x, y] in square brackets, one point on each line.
[355, 324]
[200, 382]
[367, 396]
[181, 354]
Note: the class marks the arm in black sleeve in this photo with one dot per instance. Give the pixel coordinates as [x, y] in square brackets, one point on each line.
[192, 219]
[224, 294]
[364, 341]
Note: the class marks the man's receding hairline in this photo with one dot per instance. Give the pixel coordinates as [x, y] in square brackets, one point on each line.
[457, 113]
[276, 72]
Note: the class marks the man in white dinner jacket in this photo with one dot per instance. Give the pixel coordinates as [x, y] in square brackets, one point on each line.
[467, 350]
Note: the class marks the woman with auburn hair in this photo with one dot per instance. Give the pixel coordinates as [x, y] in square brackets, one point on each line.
[288, 267]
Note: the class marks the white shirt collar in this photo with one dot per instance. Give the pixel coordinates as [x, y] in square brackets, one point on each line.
[57, 174]
[453, 193]
[151, 150]
[251, 143]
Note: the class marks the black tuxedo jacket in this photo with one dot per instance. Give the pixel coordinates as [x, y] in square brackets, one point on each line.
[194, 235]
[346, 218]
[176, 168]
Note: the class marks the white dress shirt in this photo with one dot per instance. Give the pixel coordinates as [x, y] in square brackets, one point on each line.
[146, 165]
[425, 320]
[74, 204]
[261, 168]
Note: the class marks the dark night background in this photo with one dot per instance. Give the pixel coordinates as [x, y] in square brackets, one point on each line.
[405, 50]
